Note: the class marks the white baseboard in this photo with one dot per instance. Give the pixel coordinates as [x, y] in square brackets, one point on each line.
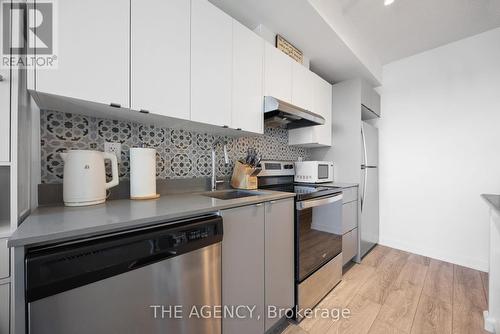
[437, 254]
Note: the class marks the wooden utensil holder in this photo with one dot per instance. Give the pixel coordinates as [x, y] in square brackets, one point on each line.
[242, 177]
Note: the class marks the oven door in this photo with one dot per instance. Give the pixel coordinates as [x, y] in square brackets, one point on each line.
[318, 220]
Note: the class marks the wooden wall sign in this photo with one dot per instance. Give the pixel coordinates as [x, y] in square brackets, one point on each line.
[289, 49]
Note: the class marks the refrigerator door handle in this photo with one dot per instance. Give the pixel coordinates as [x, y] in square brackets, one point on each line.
[365, 185]
[363, 142]
[363, 167]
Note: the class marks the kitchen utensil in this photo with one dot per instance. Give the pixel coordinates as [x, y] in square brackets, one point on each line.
[252, 157]
[256, 171]
[257, 162]
[243, 177]
[84, 181]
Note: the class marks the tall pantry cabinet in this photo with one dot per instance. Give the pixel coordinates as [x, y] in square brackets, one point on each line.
[14, 178]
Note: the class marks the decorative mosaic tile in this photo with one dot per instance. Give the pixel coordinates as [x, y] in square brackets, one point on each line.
[179, 153]
[181, 139]
[114, 131]
[152, 136]
[161, 166]
[67, 126]
[181, 164]
[204, 165]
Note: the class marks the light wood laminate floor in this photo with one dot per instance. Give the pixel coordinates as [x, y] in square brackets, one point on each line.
[392, 291]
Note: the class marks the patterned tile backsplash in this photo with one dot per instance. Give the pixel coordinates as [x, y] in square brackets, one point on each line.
[180, 153]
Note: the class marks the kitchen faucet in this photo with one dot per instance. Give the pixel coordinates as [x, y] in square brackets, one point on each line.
[214, 161]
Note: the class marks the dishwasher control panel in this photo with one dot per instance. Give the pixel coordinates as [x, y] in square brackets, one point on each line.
[184, 237]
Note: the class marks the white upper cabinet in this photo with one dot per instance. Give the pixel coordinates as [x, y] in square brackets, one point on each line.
[248, 58]
[370, 99]
[277, 74]
[4, 116]
[320, 135]
[211, 64]
[302, 86]
[323, 106]
[160, 57]
[93, 52]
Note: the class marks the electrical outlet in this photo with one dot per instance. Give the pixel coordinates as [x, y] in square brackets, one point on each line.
[115, 148]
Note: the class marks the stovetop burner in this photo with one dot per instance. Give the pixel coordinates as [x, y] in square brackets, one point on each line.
[304, 191]
[279, 176]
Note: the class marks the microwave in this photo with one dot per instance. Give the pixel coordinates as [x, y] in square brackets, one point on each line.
[313, 171]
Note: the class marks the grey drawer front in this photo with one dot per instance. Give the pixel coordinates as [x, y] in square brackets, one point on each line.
[316, 286]
[4, 259]
[349, 245]
[349, 216]
[4, 308]
[350, 194]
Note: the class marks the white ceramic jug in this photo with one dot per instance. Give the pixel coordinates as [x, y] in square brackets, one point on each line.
[84, 181]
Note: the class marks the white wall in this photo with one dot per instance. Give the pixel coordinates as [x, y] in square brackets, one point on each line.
[440, 149]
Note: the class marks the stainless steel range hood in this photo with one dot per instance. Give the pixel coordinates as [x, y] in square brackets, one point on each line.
[280, 114]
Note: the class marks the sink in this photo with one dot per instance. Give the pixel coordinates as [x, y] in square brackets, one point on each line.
[232, 194]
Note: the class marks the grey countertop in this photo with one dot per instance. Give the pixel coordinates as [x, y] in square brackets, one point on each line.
[493, 201]
[59, 223]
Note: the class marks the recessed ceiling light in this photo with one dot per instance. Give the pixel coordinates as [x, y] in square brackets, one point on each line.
[388, 2]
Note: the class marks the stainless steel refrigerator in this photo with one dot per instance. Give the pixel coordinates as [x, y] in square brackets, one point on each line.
[369, 222]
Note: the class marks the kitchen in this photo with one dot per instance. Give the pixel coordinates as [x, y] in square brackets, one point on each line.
[243, 166]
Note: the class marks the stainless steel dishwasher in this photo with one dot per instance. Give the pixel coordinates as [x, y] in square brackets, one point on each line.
[116, 283]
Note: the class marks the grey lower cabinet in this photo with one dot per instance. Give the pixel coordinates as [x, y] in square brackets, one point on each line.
[349, 245]
[350, 213]
[279, 258]
[257, 263]
[4, 308]
[4, 259]
[243, 266]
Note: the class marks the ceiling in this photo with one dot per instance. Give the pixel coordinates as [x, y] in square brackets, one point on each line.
[331, 55]
[408, 27]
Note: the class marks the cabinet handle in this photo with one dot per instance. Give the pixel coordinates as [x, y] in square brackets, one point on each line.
[1, 77]
[272, 202]
[225, 126]
[239, 129]
[144, 111]
[258, 204]
[115, 105]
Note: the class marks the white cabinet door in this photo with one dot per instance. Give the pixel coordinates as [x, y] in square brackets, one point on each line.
[211, 64]
[302, 86]
[370, 98]
[248, 58]
[5, 116]
[243, 266]
[323, 106]
[376, 102]
[93, 52]
[160, 56]
[277, 74]
[321, 135]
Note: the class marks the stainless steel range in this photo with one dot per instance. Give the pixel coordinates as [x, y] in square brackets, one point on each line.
[318, 246]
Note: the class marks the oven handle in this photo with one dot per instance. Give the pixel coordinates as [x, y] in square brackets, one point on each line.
[318, 202]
